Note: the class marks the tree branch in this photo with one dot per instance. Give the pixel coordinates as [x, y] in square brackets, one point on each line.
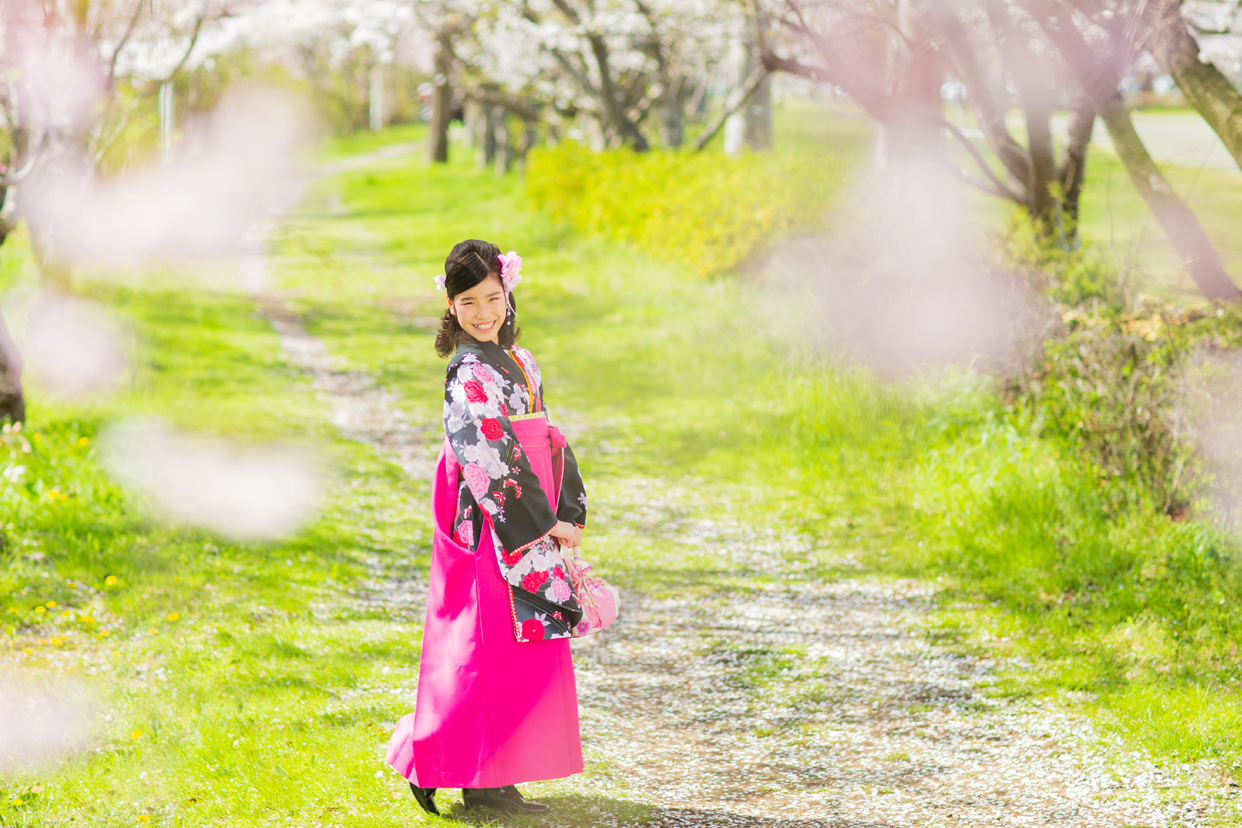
[129, 31]
[36, 155]
[522, 110]
[737, 98]
[198, 29]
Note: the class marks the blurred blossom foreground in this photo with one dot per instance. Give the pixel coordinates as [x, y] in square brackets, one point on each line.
[229, 172]
[248, 493]
[74, 346]
[39, 723]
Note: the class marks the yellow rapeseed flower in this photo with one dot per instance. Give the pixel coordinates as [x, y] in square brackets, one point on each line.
[173, 616]
[110, 580]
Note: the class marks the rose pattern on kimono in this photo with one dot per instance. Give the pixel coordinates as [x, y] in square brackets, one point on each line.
[483, 389]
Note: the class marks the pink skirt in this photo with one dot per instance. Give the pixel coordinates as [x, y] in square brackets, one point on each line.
[490, 711]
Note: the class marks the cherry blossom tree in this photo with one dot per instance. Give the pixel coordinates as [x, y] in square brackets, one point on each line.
[624, 71]
[68, 68]
[894, 60]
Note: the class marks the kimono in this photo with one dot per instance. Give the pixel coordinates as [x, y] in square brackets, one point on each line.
[489, 394]
[497, 702]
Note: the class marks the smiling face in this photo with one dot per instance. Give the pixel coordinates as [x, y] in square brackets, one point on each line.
[481, 310]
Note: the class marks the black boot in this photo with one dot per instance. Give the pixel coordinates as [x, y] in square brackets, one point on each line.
[501, 799]
[426, 798]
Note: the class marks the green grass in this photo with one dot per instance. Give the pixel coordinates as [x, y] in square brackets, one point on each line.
[356, 143]
[268, 698]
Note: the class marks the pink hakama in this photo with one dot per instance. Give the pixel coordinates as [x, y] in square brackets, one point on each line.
[490, 711]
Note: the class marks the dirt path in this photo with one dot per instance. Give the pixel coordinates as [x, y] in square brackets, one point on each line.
[805, 703]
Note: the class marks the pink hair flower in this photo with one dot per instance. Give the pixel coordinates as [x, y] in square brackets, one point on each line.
[510, 270]
[439, 280]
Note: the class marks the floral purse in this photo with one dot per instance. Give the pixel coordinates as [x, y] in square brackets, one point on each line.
[600, 600]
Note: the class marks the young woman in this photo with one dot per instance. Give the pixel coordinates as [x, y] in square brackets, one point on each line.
[497, 704]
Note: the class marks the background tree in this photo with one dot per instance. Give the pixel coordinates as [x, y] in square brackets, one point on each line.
[1097, 49]
[887, 59]
[70, 97]
[892, 60]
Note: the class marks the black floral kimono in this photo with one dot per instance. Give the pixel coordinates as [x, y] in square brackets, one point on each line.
[486, 389]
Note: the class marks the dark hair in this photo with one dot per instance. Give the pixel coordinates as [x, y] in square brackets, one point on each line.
[469, 263]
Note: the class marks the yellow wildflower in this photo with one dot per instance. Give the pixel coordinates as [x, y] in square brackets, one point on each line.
[14, 610]
[144, 818]
[67, 614]
[83, 441]
[17, 801]
[110, 580]
[174, 616]
[26, 650]
[40, 609]
[50, 605]
[104, 633]
[137, 734]
[86, 619]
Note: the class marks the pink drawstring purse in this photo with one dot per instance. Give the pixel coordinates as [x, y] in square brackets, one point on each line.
[599, 599]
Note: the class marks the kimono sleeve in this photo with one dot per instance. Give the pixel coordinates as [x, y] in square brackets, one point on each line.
[492, 463]
[572, 507]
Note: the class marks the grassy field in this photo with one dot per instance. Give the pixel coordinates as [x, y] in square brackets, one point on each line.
[255, 684]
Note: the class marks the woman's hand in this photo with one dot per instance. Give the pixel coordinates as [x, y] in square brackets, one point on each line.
[567, 534]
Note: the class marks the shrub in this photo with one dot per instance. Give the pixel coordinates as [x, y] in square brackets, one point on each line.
[703, 211]
[1122, 377]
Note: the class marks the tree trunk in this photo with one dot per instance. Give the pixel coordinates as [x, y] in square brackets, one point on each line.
[530, 137]
[759, 116]
[1073, 170]
[504, 143]
[12, 400]
[673, 113]
[485, 137]
[1043, 161]
[1206, 88]
[612, 102]
[1179, 222]
[442, 100]
[470, 122]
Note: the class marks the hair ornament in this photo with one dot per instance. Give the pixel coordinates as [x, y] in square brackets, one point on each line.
[510, 270]
[439, 280]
